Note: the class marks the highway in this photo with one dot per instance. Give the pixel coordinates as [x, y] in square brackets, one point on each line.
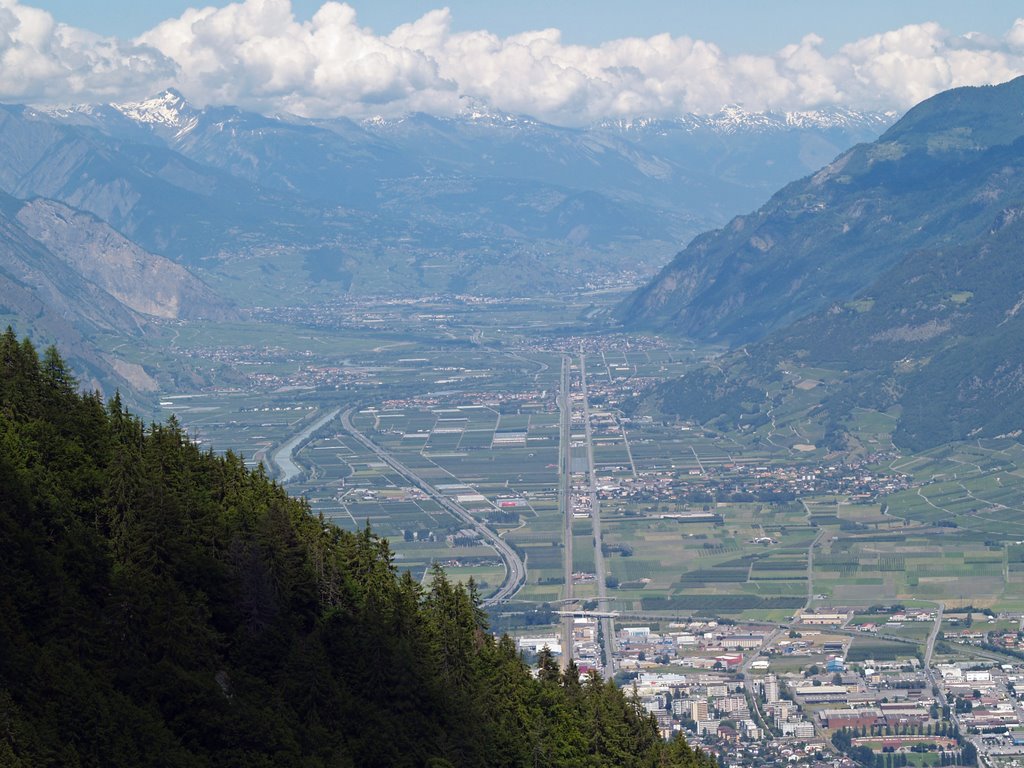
[933, 636]
[515, 569]
[810, 567]
[607, 625]
[940, 699]
[565, 500]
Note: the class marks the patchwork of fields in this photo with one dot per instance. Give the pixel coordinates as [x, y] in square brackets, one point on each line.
[470, 406]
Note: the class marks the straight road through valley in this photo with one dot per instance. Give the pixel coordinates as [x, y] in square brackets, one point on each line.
[606, 624]
[565, 499]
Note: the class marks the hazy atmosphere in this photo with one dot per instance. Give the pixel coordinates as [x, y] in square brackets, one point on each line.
[339, 59]
[553, 384]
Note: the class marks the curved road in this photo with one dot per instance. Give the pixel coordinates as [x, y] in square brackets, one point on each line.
[515, 569]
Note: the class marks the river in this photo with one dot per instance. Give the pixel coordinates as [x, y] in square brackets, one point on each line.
[282, 458]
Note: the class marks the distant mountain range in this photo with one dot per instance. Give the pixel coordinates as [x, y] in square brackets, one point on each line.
[490, 178]
[894, 261]
[111, 197]
[899, 262]
[738, 155]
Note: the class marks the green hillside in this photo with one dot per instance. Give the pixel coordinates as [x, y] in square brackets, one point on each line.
[163, 606]
[897, 267]
[941, 336]
[938, 177]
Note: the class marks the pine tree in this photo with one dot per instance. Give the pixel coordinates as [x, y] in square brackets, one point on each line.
[159, 604]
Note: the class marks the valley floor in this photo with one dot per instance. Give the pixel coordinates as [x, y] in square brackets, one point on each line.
[646, 547]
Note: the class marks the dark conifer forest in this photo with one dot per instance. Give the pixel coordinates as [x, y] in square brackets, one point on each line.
[163, 606]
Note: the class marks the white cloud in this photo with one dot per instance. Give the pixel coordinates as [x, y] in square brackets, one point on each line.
[45, 61]
[1015, 37]
[256, 54]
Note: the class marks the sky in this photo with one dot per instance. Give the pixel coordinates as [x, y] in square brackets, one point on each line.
[569, 62]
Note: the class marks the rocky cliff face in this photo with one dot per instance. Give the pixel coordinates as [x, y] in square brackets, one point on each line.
[68, 278]
[148, 284]
[41, 294]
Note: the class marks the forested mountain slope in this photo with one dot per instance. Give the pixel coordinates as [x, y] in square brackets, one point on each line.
[897, 266]
[937, 178]
[940, 335]
[163, 606]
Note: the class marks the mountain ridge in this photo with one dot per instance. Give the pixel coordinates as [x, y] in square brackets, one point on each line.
[895, 265]
[170, 108]
[210, 186]
[406, 207]
[170, 119]
[733, 118]
[826, 236]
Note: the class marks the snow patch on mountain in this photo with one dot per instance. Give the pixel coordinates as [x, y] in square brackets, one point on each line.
[168, 111]
[733, 119]
[66, 112]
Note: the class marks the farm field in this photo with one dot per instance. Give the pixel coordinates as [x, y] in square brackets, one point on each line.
[465, 396]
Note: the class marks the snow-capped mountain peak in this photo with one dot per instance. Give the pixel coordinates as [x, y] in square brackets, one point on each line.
[168, 111]
[480, 112]
[733, 118]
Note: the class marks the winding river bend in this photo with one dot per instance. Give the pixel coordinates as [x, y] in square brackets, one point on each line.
[282, 457]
